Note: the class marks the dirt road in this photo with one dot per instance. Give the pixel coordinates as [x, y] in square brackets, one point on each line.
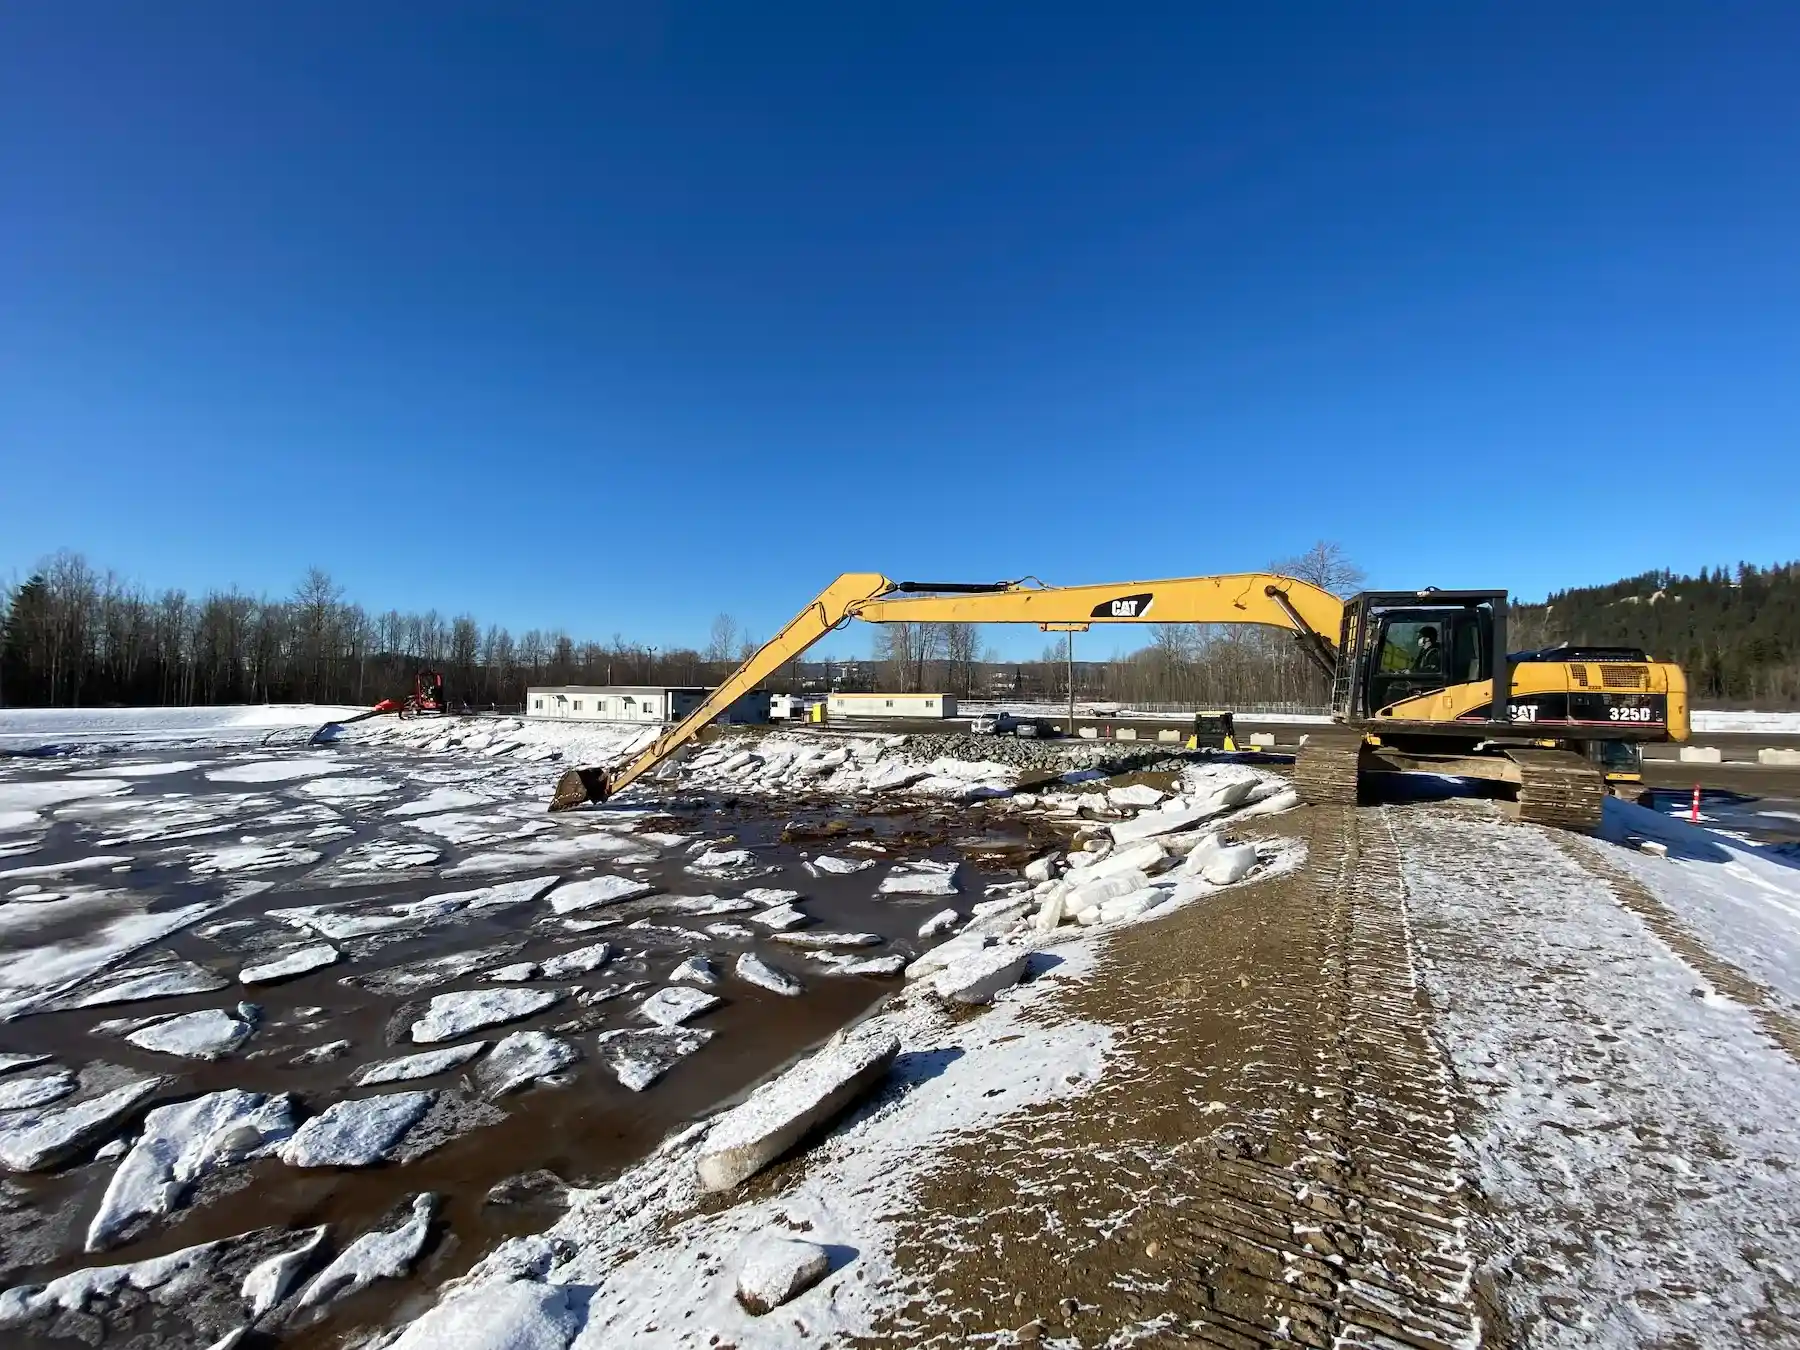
[1442, 1086]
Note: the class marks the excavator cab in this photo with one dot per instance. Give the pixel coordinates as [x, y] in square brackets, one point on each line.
[1397, 645]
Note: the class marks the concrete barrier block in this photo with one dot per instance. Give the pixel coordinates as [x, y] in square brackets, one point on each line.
[1702, 754]
[1787, 758]
[1090, 733]
[1262, 740]
[1167, 735]
[1125, 734]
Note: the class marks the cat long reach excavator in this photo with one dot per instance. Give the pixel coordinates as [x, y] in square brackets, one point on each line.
[1421, 681]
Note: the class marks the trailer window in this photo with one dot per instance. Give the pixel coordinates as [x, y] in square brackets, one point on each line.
[538, 703]
[577, 705]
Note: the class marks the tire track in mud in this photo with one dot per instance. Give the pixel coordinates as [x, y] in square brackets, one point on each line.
[1270, 1157]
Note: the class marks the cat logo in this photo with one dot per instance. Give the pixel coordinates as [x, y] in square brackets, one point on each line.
[1125, 607]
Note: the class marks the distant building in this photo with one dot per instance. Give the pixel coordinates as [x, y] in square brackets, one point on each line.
[640, 703]
[890, 705]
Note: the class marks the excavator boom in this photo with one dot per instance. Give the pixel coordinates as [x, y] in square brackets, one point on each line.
[1312, 614]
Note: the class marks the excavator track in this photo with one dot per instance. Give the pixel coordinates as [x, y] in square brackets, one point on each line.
[1327, 768]
[1558, 788]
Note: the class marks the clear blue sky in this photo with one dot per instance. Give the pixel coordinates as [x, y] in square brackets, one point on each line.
[616, 317]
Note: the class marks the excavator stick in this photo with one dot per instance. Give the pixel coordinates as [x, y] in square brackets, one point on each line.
[836, 603]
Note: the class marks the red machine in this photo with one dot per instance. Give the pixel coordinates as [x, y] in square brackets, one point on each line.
[427, 697]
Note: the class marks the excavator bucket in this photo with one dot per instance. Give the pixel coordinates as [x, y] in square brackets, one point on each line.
[578, 787]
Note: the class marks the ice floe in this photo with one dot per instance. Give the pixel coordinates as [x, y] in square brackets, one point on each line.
[438, 800]
[672, 1006]
[523, 1058]
[639, 1057]
[834, 866]
[290, 964]
[275, 770]
[18, 1094]
[593, 892]
[348, 788]
[779, 918]
[923, 877]
[270, 1280]
[452, 1015]
[517, 1315]
[208, 1034]
[36, 1139]
[251, 857]
[780, 1113]
[181, 1145]
[754, 970]
[695, 970]
[356, 1133]
[774, 1269]
[384, 1254]
[425, 1064]
[827, 939]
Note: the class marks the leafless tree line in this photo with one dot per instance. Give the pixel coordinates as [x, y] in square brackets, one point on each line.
[76, 636]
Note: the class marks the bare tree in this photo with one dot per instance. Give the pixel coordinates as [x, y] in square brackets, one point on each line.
[961, 642]
[1326, 566]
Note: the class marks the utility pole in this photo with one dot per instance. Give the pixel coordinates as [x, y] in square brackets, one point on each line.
[1071, 629]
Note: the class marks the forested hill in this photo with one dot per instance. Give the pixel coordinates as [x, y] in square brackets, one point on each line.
[1736, 632]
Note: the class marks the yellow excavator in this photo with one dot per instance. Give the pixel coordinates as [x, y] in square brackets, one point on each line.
[1412, 676]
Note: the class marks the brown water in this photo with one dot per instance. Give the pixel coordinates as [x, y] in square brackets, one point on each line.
[583, 1133]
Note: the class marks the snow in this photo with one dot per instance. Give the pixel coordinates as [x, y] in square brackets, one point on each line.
[208, 1034]
[269, 1281]
[356, 1133]
[516, 1315]
[593, 892]
[672, 1006]
[1633, 1129]
[384, 1254]
[223, 725]
[36, 1139]
[780, 1113]
[180, 1145]
[523, 1058]
[17, 1094]
[452, 1015]
[922, 877]
[1739, 899]
[639, 1057]
[1772, 723]
[276, 770]
[773, 1270]
[754, 970]
[289, 964]
[425, 1064]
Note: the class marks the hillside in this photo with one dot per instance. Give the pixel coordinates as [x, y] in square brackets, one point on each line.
[1737, 633]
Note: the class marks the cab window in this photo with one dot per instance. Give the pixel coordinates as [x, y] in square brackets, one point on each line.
[1413, 647]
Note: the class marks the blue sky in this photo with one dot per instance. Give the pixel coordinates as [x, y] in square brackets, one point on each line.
[616, 317]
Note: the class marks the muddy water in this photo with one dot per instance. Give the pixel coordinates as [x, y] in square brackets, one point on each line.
[583, 1132]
